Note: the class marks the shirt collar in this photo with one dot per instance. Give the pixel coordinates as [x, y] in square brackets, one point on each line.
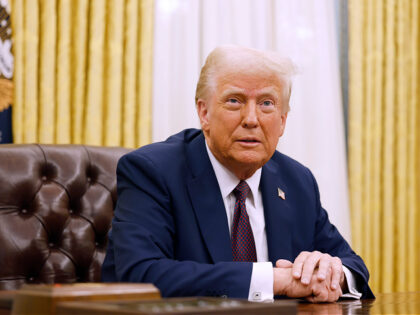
[228, 181]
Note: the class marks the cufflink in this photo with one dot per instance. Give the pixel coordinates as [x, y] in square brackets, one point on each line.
[282, 195]
[256, 296]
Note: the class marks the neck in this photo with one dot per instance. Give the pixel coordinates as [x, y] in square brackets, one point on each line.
[243, 174]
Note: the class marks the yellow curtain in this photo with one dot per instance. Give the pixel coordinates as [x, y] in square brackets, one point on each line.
[83, 71]
[384, 139]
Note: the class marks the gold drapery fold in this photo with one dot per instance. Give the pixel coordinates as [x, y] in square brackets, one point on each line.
[144, 115]
[130, 65]
[47, 77]
[384, 140]
[83, 71]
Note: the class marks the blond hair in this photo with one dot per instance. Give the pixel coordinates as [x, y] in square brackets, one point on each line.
[248, 59]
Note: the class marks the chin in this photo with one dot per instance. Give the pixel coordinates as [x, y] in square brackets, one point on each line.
[251, 160]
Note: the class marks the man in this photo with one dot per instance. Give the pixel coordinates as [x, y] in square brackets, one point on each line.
[217, 211]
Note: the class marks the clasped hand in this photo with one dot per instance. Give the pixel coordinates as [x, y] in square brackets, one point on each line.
[315, 276]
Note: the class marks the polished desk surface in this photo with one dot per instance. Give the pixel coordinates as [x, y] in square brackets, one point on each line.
[6, 301]
[386, 303]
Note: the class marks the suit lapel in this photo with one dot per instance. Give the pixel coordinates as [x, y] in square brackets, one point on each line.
[277, 212]
[207, 202]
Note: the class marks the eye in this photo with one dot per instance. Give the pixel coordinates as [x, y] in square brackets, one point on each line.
[267, 103]
[267, 106]
[233, 103]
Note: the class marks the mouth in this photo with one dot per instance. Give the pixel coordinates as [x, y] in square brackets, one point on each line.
[248, 141]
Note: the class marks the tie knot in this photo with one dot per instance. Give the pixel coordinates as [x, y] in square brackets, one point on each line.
[241, 191]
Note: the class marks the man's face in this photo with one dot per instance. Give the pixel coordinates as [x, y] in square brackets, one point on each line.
[243, 119]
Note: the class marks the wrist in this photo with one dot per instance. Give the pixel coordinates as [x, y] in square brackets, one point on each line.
[281, 280]
[343, 283]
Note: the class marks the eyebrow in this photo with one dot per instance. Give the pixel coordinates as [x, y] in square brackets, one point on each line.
[232, 91]
[269, 91]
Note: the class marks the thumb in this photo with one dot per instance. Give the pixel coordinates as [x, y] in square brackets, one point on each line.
[284, 263]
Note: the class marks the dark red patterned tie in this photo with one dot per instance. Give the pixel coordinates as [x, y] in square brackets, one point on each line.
[243, 245]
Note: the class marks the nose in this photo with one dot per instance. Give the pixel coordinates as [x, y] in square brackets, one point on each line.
[249, 115]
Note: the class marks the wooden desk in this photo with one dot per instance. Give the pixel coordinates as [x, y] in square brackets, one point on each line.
[6, 302]
[392, 303]
[34, 299]
[389, 303]
[386, 303]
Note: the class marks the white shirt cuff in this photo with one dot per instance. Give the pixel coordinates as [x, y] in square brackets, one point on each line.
[351, 285]
[261, 287]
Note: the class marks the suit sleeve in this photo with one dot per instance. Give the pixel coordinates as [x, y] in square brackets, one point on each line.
[327, 239]
[142, 247]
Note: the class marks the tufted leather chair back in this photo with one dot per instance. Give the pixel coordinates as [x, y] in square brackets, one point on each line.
[56, 206]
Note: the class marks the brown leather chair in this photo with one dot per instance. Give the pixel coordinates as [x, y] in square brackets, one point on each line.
[56, 206]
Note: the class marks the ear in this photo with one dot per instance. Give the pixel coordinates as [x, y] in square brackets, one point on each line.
[283, 123]
[203, 114]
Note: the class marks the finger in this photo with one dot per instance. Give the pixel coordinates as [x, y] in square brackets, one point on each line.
[337, 270]
[309, 266]
[283, 263]
[324, 266]
[320, 293]
[310, 299]
[298, 264]
[322, 297]
[334, 295]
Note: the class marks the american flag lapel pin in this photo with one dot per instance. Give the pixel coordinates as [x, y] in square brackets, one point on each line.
[282, 195]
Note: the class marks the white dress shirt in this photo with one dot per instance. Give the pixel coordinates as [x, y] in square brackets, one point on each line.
[261, 287]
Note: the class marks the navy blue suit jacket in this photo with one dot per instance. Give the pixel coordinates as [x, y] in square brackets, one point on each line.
[170, 226]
